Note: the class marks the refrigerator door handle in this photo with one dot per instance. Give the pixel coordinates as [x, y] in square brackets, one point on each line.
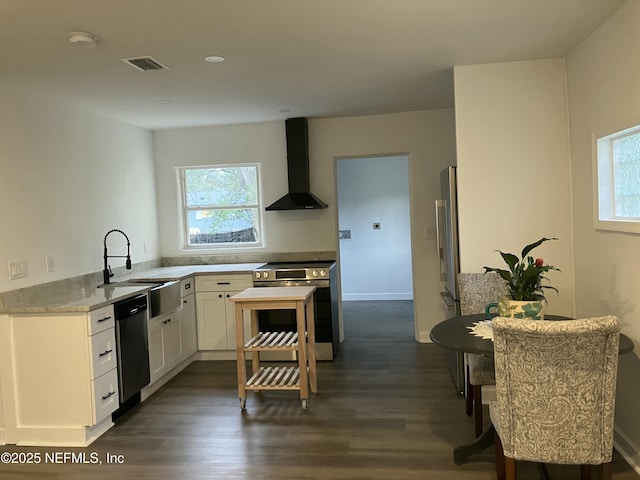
[439, 205]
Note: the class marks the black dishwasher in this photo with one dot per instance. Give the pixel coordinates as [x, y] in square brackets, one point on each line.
[133, 350]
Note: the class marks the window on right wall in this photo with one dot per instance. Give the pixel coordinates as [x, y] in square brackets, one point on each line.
[618, 172]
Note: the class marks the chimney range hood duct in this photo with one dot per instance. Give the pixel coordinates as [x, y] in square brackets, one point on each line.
[299, 196]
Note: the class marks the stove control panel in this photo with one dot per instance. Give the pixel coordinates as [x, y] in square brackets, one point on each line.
[297, 272]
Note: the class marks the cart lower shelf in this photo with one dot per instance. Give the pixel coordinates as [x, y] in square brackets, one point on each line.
[275, 378]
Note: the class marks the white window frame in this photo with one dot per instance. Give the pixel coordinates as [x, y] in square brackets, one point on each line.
[184, 209]
[604, 216]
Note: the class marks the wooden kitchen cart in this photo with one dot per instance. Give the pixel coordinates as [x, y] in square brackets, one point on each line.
[301, 342]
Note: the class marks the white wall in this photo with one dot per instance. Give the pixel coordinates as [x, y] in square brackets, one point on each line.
[263, 143]
[428, 138]
[375, 264]
[67, 178]
[604, 96]
[514, 167]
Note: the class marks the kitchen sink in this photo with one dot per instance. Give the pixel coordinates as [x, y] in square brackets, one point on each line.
[164, 297]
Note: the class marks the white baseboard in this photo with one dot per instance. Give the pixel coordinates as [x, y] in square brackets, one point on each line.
[423, 337]
[61, 436]
[359, 297]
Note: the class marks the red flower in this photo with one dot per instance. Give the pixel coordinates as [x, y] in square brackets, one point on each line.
[539, 262]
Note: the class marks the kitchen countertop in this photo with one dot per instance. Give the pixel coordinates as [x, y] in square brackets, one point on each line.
[87, 298]
[166, 274]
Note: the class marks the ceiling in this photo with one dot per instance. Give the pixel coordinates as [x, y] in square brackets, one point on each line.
[283, 58]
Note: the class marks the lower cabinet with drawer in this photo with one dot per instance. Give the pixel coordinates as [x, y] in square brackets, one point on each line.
[59, 372]
[215, 313]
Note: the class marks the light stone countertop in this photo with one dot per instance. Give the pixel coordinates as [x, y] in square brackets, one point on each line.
[87, 298]
[177, 273]
[80, 300]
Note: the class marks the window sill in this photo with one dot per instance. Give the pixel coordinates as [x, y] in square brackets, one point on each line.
[629, 226]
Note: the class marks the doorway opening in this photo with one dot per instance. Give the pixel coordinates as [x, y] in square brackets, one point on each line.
[375, 244]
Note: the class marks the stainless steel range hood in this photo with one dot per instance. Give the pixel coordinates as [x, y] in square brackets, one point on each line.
[299, 196]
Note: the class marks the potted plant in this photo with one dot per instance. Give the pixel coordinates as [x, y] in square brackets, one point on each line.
[524, 279]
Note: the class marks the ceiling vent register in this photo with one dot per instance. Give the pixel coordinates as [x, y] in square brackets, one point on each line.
[145, 64]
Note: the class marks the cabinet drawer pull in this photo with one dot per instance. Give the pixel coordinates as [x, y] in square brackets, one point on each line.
[224, 283]
[187, 286]
[107, 352]
[167, 321]
[100, 320]
[110, 394]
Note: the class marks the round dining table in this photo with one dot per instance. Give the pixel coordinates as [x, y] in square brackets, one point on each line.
[455, 334]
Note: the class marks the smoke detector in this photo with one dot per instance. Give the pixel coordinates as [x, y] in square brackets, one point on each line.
[83, 39]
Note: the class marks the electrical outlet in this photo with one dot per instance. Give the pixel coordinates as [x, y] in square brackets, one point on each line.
[18, 269]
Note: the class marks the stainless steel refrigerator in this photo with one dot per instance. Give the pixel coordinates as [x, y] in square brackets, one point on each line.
[449, 260]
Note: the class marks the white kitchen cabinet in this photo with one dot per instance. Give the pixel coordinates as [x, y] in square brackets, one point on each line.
[214, 311]
[60, 373]
[165, 345]
[188, 326]
[172, 337]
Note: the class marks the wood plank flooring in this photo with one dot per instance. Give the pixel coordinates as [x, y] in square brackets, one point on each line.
[386, 409]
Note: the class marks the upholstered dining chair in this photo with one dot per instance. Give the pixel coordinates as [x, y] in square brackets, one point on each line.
[476, 290]
[555, 392]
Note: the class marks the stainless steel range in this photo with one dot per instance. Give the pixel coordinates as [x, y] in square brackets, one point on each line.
[321, 275]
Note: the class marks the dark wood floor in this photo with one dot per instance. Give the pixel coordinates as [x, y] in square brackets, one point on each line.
[386, 409]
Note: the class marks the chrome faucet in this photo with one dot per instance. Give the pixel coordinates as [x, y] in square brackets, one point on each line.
[107, 273]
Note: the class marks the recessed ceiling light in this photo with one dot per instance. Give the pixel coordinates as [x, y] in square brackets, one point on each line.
[165, 102]
[284, 110]
[214, 59]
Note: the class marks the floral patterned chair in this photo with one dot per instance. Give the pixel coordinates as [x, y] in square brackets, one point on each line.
[555, 392]
[476, 290]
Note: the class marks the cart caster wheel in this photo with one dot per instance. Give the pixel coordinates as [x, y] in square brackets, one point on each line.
[243, 404]
[304, 404]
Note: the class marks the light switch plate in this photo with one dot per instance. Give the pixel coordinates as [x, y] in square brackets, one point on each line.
[18, 269]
